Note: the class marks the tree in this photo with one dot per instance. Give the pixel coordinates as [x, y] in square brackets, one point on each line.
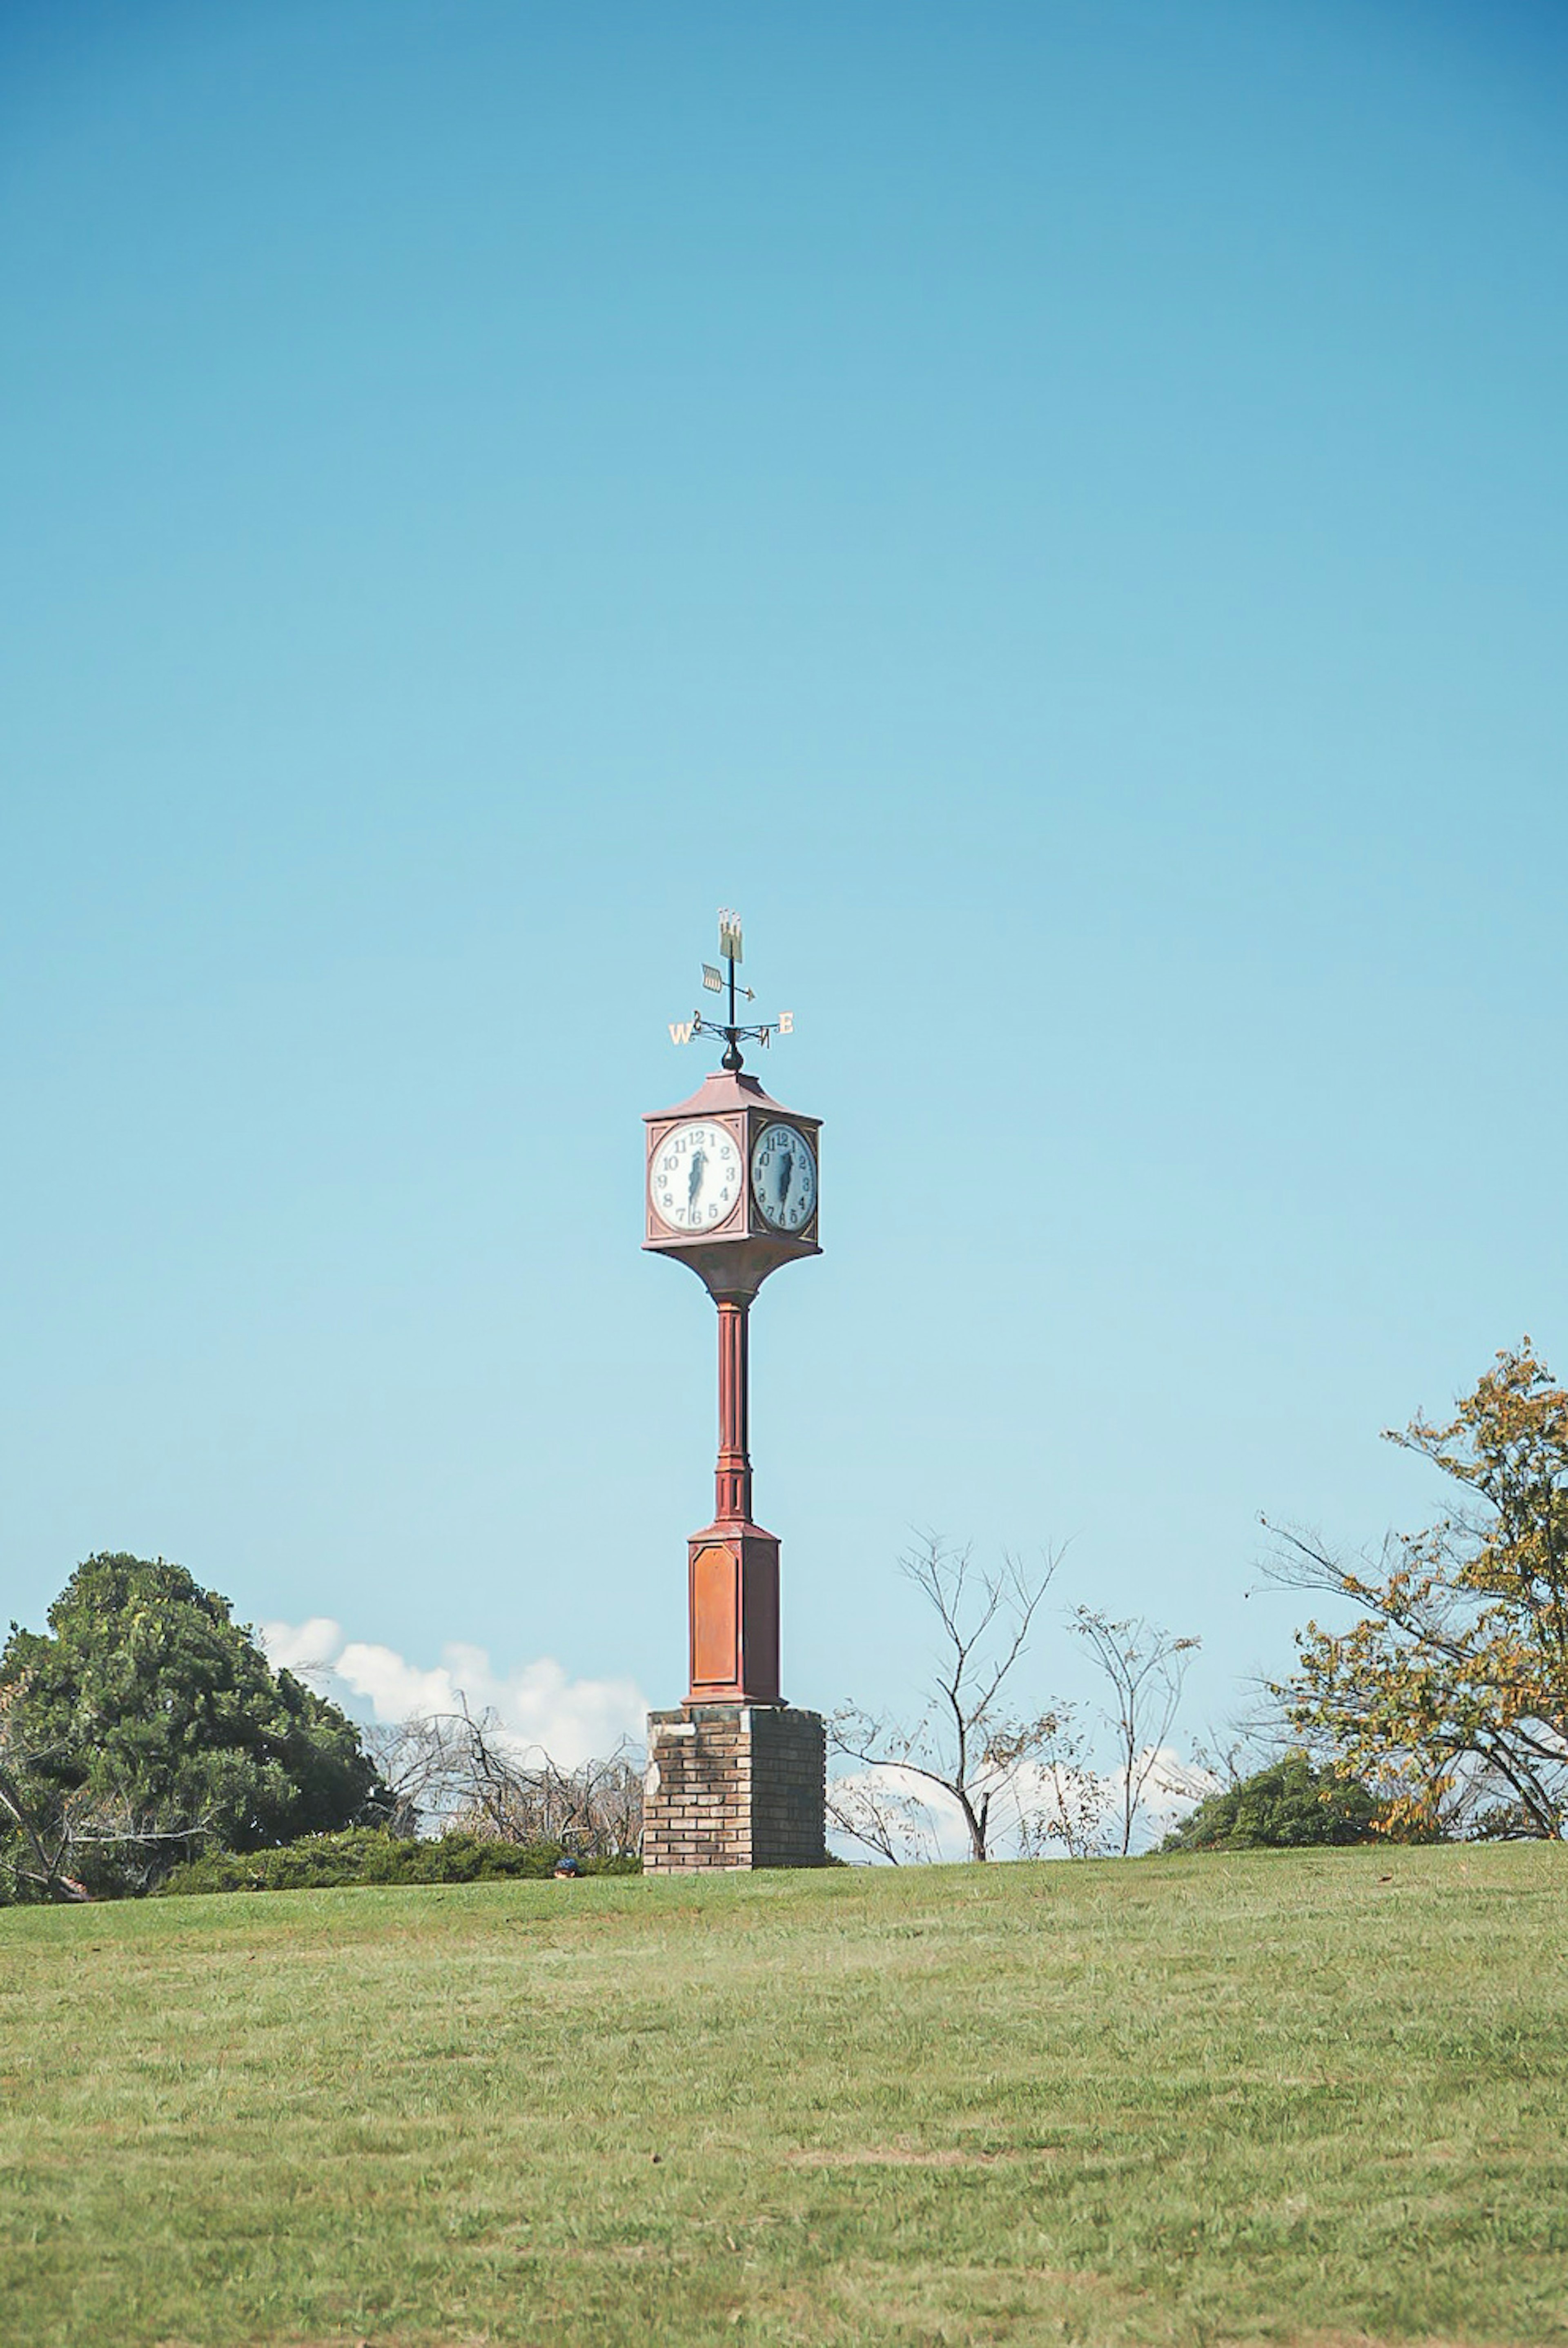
[966, 1744]
[1144, 1668]
[885, 1817]
[145, 1718]
[1287, 1805]
[1065, 1804]
[51, 1836]
[1449, 1692]
[466, 1774]
[33, 1849]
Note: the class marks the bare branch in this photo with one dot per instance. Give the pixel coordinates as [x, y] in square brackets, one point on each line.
[964, 1745]
[1144, 1667]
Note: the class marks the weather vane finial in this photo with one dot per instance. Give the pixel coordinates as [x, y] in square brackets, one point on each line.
[715, 980]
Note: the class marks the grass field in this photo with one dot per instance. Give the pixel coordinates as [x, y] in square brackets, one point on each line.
[1286, 2097]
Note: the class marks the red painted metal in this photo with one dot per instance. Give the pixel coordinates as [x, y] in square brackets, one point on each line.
[732, 1564]
[732, 1474]
[735, 1257]
[733, 1616]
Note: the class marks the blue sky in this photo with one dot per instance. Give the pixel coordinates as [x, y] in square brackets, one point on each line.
[1057, 512]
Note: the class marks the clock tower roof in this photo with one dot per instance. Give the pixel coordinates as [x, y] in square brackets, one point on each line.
[723, 1090]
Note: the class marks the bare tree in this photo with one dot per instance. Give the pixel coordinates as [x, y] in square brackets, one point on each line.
[424, 1762]
[1069, 1802]
[883, 1817]
[463, 1771]
[1144, 1668]
[964, 1745]
[1222, 1757]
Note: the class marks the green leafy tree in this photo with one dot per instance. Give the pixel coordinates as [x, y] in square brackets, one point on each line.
[1450, 1690]
[1289, 1805]
[146, 1723]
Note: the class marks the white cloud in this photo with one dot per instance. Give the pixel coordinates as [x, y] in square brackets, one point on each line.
[1174, 1785]
[571, 1720]
[302, 1647]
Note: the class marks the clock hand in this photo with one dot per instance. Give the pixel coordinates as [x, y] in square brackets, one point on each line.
[694, 1183]
[786, 1176]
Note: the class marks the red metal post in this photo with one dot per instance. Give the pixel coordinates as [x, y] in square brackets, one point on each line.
[732, 1474]
[734, 1564]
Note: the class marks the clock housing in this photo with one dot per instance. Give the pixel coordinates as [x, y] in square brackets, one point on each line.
[733, 1217]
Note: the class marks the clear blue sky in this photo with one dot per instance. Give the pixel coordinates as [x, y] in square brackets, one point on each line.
[1055, 511]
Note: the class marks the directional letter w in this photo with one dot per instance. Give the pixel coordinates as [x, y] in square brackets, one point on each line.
[680, 1031]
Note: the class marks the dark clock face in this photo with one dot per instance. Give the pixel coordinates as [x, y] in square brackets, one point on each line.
[695, 1176]
[784, 1176]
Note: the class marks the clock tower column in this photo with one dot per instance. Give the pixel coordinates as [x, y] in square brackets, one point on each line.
[737, 1776]
[732, 1565]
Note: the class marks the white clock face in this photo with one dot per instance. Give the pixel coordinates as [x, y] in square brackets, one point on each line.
[784, 1176]
[695, 1176]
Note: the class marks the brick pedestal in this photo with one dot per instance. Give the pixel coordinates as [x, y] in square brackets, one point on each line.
[735, 1785]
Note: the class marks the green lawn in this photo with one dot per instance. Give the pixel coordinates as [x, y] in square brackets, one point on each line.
[1298, 2098]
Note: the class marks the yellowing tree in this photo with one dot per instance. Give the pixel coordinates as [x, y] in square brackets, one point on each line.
[1450, 1695]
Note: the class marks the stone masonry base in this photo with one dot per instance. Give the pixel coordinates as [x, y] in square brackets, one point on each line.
[735, 1785]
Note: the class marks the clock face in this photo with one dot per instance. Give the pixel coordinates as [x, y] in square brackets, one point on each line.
[784, 1176]
[695, 1176]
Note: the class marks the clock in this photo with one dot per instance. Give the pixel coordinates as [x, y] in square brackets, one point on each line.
[784, 1176]
[734, 1184]
[696, 1176]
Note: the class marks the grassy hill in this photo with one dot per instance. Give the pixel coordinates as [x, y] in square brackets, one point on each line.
[1303, 2097]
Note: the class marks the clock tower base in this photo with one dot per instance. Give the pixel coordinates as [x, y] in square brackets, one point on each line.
[735, 1786]
[732, 1613]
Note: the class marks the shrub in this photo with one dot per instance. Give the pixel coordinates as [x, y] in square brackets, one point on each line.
[370, 1855]
[1289, 1805]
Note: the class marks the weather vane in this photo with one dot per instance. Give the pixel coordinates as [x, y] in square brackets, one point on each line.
[730, 953]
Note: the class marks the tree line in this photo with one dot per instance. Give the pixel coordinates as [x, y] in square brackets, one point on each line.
[1438, 1709]
[145, 1727]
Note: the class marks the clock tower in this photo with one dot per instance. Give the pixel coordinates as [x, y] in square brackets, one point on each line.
[737, 1777]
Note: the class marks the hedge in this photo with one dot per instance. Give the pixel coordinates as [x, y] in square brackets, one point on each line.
[369, 1855]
